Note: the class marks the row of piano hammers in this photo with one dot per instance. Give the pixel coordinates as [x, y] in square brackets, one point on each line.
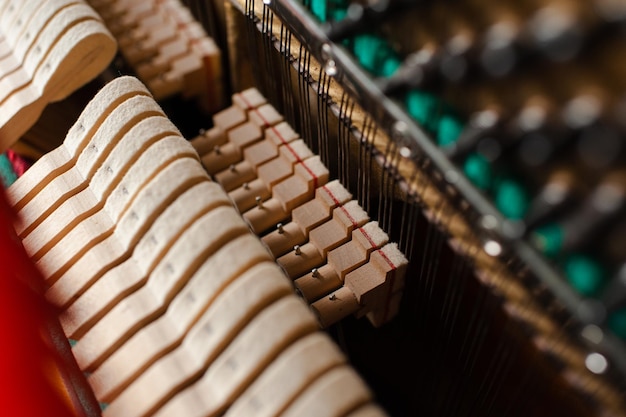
[167, 48]
[175, 306]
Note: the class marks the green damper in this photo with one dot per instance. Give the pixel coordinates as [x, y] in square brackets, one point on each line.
[584, 274]
[511, 198]
[478, 170]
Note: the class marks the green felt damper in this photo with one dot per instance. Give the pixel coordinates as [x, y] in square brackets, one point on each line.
[423, 107]
[338, 14]
[390, 66]
[511, 198]
[549, 239]
[478, 170]
[584, 274]
[319, 9]
[375, 55]
[617, 323]
[448, 130]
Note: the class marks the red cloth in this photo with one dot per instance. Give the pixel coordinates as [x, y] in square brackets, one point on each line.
[20, 165]
[29, 365]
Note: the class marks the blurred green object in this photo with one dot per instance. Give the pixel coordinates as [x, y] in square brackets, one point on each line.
[424, 108]
[584, 274]
[478, 170]
[7, 173]
[448, 130]
[375, 54]
[511, 198]
[549, 239]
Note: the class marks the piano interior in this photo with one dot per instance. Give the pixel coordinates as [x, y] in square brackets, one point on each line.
[442, 183]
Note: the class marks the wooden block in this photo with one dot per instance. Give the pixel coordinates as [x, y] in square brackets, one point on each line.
[263, 152]
[131, 13]
[190, 68]
[335, 306]
[160, 63]
[287, 194]
[319, 210]
[335, 232]
[94, 294]
[334, 394]
[356, 252]
[220, 158]
[300, 188]
[150, 301]
[248, 194]
[306, 217]
[229, 118]
[140, 30]
[265, 214]
[236, 175]
[317, 283]
[162, 335]
[378, 281]
[341, 261]
[207, 140]
[231, 366]
[284, 238]
[255, 155]
[294, 370]
[249, 99]
[113, 9]
[300, 259]
[265, 116]
[176, 11]
[244, 135]
[166, 84]
[276, 170]
[281, 134]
